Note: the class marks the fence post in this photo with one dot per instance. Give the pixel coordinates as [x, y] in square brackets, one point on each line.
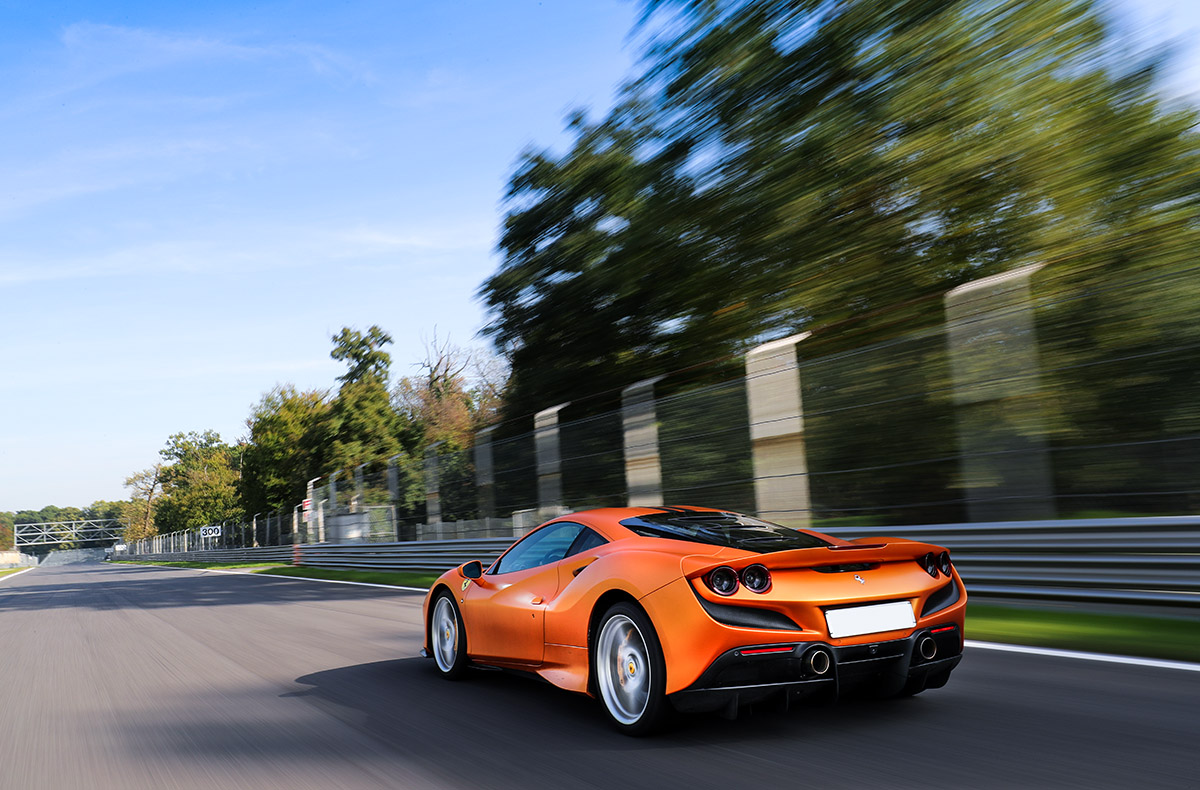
[433, 499]
[485, 474]
[643, 469]
[334, 534]
[781, 488]
[549, 461]
[992, 343]
[356, 504]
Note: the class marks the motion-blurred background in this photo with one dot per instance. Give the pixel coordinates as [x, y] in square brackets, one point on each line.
[838, 263]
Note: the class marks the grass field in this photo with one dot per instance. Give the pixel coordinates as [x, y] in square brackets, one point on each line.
[6, 571]
[399, 579]
[206, 565]
[1156, 637]
[1133, 635]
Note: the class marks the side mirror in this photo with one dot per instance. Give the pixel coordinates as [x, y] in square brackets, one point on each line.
[472, 570]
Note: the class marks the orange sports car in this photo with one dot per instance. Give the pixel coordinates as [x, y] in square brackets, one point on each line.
[693, 609]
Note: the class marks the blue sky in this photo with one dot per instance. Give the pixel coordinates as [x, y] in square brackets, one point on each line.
[195, 197]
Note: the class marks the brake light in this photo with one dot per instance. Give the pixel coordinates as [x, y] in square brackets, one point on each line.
[930, 564]
[723, 581]
[944, 562]
[754, 651]
[756, 578]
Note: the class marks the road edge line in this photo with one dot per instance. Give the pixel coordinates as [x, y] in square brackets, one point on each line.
[8, 576]
[1080, 655]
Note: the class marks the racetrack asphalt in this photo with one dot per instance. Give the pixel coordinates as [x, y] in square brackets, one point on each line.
[137, 677]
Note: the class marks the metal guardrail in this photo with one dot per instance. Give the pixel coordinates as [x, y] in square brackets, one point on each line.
[427, 556]
[1154, 560]
[1125, 560]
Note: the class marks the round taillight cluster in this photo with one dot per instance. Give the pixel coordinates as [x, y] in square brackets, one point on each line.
[725, 580]
[932, 563]
[756, 578]
[944, 562]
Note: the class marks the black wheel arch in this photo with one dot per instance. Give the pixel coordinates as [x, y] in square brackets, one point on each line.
[433, 596]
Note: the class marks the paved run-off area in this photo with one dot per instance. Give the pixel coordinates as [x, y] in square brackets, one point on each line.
[138, 677]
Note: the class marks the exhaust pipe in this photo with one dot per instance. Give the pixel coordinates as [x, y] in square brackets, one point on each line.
[927, 647]
[818, 661]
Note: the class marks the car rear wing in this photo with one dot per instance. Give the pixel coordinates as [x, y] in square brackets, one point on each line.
[871, 551]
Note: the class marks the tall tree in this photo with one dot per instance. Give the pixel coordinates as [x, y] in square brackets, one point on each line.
[199, 481]
[363, 427]
[289, 434]
[146, 489]
[456, 393]
[789, 166]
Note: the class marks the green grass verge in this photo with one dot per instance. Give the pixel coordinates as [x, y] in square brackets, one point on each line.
[397, 578]
[1154, 637]
[7, 571]
[203, 565]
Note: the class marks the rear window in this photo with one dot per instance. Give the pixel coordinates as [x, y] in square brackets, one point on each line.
[723, 529]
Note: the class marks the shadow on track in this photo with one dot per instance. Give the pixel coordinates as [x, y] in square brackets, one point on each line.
[501, 729]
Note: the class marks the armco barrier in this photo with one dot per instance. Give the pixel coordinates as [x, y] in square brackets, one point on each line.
[1126, 560]
[427, 556]
[1153, 560]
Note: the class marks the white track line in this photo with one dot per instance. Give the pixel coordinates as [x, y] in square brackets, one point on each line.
[1082, 656]
[14, 575]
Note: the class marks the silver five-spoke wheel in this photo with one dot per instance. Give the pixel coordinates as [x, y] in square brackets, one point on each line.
[623, 669]
[444, 630]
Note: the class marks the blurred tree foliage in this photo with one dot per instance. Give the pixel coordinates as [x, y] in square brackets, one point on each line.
[836, 167]
[362, 425]
[455, 393]
[288, 434]
[199, 482]
[146, 488]
[825, 166]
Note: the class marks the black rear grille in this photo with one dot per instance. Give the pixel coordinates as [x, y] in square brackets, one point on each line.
[746, 616]
[847, 568]
[941, 598]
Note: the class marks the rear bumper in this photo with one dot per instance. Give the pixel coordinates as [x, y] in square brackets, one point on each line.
[746, 675]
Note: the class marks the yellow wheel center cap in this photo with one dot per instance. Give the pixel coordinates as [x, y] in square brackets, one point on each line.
[632, 669]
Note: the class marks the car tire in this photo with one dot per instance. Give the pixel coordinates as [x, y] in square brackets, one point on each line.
[628, 670]
[447, 637]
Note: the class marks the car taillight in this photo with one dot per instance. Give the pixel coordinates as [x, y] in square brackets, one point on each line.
[929, 563]
[756, 578]
[944, 562]
[723, 581]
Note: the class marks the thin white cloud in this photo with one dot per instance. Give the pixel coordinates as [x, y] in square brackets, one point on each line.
[119, 50]
[257, 248]
[81, 171]
[364, 238]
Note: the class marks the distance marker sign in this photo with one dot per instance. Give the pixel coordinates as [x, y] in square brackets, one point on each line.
[210, 532]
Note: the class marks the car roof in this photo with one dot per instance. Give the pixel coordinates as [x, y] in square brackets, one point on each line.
[608, 519]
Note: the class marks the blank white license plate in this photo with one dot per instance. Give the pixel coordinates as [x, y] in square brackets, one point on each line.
[870, 619]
